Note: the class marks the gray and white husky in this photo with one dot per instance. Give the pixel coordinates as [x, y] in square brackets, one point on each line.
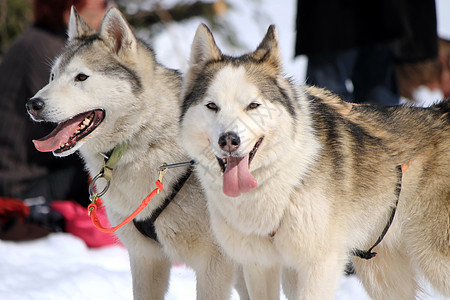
[300, 180]
[106, 89]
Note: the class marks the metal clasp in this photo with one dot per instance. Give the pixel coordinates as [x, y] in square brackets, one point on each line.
[91, 186]
[93, 198]
[162, 170]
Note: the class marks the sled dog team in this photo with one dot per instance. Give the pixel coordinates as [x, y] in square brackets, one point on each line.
[290, 182]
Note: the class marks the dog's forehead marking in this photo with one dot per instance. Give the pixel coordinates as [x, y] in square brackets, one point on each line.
[256, 75]
[73, 49]
[76, 53]
[248, 83]
[231, 82]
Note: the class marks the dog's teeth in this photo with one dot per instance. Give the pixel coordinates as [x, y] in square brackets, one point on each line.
[86, 122]
[77, 132]
[82, 126]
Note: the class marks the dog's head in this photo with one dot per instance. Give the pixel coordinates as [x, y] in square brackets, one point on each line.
[88, 83]
[234, 109]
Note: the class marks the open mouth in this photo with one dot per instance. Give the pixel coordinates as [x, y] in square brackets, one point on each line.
[224, 160]
[237, 178]
[68, 133]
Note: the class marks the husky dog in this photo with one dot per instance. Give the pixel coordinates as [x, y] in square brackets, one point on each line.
[107, 89]
[298, 179]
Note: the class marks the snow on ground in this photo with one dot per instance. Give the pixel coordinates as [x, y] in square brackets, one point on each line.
[60, 266]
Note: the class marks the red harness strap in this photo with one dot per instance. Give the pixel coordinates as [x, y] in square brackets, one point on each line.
[93, 206]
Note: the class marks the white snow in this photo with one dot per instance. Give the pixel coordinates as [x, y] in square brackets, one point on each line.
[60, 266]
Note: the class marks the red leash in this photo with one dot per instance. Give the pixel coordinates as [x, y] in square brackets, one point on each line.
[94, 196]
[106, 174]
[93, 206]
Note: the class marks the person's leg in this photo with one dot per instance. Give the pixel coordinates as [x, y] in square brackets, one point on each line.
[374, 78]
[332, 71]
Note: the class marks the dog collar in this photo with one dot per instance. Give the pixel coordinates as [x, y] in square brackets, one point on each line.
[111, 159]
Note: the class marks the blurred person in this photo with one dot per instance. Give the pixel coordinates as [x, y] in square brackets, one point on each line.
[25, 173]
[419, 57]
[353, 46]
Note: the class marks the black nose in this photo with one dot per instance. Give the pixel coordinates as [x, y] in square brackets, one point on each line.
[35, 105]
[229, 141]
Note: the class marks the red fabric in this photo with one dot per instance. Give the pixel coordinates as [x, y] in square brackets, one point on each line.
[13, 207]
[79, 223]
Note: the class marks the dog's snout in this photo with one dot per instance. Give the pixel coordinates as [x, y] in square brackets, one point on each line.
[229, 141]
[35, 105]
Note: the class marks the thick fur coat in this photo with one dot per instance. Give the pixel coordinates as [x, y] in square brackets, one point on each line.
[297, 180]
[106, 89]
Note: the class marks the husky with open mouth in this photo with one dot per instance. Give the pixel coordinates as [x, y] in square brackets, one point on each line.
[106, 90]
[300, 180]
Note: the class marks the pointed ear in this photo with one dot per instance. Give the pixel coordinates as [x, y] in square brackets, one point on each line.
[204, 47]
[116, 32]
[203, 50]
[77, 27]
[268, 50]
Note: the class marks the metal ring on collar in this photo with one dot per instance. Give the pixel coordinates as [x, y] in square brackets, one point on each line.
[91, 186]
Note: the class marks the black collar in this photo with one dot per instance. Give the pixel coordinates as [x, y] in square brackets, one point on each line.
[147, 226]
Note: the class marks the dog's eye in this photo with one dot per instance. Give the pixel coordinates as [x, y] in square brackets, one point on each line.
[212, 106]
[253, 105]
[81, 77]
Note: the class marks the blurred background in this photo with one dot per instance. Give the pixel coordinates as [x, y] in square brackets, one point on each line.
[152, 19]
[169, 25]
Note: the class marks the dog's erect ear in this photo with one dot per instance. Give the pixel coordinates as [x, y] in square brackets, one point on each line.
[116, 32]
[203, 50]
[268, 50]
[77, 27]
[204, 47]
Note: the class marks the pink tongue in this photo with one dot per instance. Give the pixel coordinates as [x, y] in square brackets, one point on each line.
[59, 136]
[237, 178]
